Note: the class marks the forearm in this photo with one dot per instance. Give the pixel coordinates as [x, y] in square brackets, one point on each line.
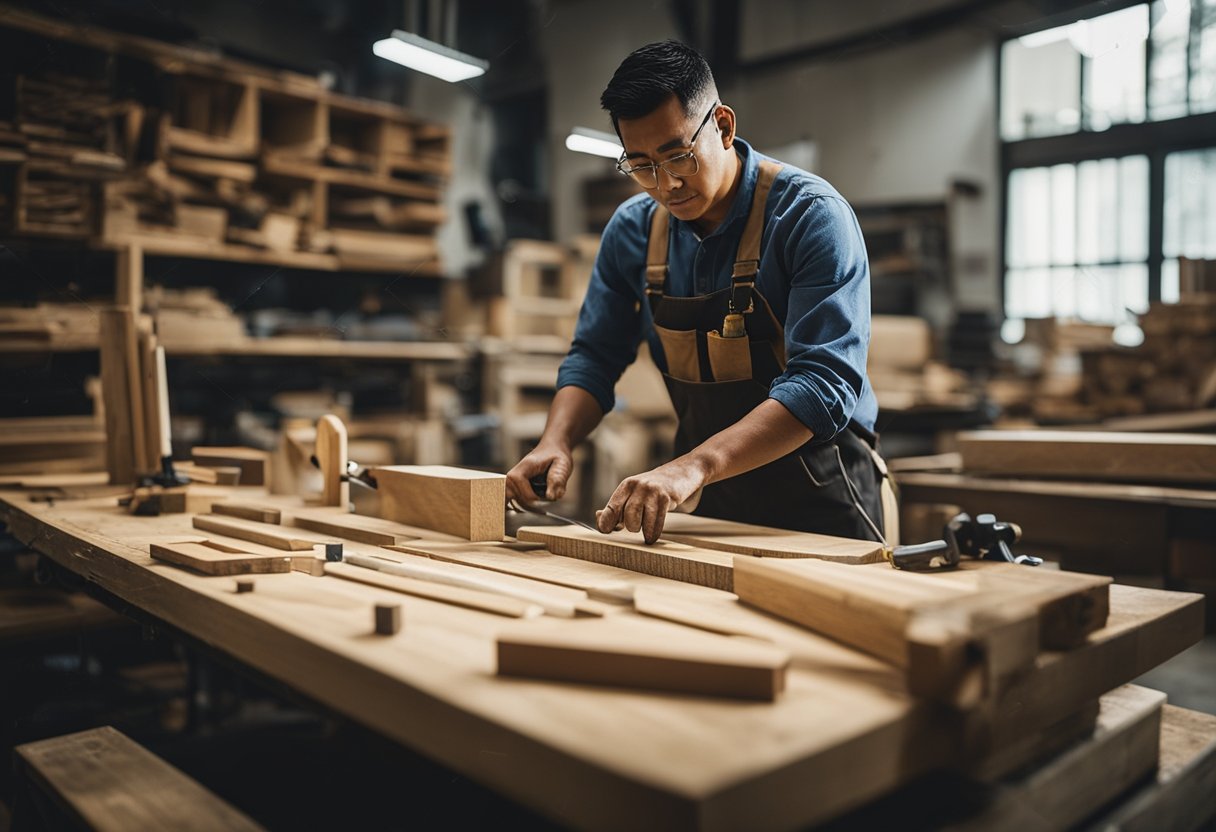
[766, 434]
[572, 416]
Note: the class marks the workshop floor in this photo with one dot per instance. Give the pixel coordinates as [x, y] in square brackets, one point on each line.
[1189, 679]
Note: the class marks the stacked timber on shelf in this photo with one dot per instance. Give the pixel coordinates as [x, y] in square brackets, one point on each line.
[59, 327]
[181, 152]
[192, 318]
[902, 370]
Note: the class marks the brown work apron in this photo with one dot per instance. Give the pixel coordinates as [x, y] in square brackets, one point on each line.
[714, 380]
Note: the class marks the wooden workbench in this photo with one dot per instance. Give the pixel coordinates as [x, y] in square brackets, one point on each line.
[843, 733]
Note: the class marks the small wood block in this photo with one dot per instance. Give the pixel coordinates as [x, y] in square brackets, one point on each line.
[762, 541]
[109, 783]
[257, 514]
[244, 585]
[627, 550]
[457, 501]
[644, 654]
[211, 561]
[468, 598]
[388, 619]
[256, 532]
[254, 463]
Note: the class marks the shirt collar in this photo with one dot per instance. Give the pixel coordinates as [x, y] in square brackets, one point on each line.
[743, 197]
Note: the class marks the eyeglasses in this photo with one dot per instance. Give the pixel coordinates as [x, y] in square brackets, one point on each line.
[681, 165]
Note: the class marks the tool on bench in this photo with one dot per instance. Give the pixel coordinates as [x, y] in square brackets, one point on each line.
[355, 473]
[984, 538]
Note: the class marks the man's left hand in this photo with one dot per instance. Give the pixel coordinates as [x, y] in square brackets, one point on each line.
[641, 502]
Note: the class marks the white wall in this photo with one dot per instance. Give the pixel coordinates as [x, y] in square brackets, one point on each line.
[897, 124]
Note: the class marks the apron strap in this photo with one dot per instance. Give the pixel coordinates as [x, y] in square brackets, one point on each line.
[747, 261]
[656, 253]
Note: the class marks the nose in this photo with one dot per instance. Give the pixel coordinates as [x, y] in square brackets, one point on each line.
[668, 182]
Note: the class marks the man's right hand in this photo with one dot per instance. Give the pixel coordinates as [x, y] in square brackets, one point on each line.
[556, 459]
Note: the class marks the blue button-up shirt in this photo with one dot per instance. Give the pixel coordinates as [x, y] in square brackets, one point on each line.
[813, 272]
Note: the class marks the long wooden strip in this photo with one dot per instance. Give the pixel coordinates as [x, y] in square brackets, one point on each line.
[763, 541]
[692, 613]
[257, 532]
[649, 655]
[955, 643]
[627, 550]
[538, 566]
[1091, 455]
[555, 600]
[212, 561]
[246, 511]
[352, 527]
[469, 598]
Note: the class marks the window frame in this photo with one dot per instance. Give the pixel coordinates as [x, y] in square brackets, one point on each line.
[1152, 139]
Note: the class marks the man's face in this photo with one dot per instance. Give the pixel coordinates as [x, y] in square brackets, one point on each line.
[666, 132]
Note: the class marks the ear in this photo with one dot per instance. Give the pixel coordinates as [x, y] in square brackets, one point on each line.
[725, 119]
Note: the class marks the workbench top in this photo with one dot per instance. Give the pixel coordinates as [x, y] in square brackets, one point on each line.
[842, 733]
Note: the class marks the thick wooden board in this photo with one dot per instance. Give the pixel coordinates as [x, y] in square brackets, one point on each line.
[247, 511]
[648, 655]
[616, 585]
[957, 643]
[110, 783]
[1091, 455]
[212, 561]
[1183, 793]
[331, 457]
[457, 501]
[371, 530]
[257, 532]
[633, 760]
[120, 429]
[1066, 789]
[468, 598]
[627, 550]
[762, 541]
[254, 463]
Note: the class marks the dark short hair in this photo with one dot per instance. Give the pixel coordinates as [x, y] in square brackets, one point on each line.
[651, 75]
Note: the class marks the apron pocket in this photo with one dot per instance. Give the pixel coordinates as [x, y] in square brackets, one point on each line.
[730, 359]
[680, 348]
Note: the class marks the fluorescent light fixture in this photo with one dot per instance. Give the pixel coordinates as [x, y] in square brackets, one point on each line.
[586, 140]
[420, 54]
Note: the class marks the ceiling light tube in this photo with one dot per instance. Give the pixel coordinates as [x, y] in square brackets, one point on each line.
[423, 55]
[595, 142]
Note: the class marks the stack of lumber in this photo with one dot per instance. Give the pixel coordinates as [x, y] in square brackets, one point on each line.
[234, 161]
[902, 370]
[49, 326]
[192, 318]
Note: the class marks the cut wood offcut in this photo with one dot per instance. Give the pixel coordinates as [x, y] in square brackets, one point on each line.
[643, 654]
[956, 644]
[457, 501]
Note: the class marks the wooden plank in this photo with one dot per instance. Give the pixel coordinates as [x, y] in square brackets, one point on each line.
[331, 457]
[256, 532]
[110, 783]
[763, 541]
[957, 643]
[468, 598]
[557, 601]
[351, 527]
[1092, 455]
[212, 561]
[694, 612]
[647, 655]
[120, 435]
[1067, 789]
[510, 559]
[245, 511]
[458, 501]
[1183, 793]
[150, 386]
[627, 550]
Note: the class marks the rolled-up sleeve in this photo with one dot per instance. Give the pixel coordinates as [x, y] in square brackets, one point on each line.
[827, 326]
[609, 327]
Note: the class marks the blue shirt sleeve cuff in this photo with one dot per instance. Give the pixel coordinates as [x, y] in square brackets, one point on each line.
[603, 394]
[802, 400]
